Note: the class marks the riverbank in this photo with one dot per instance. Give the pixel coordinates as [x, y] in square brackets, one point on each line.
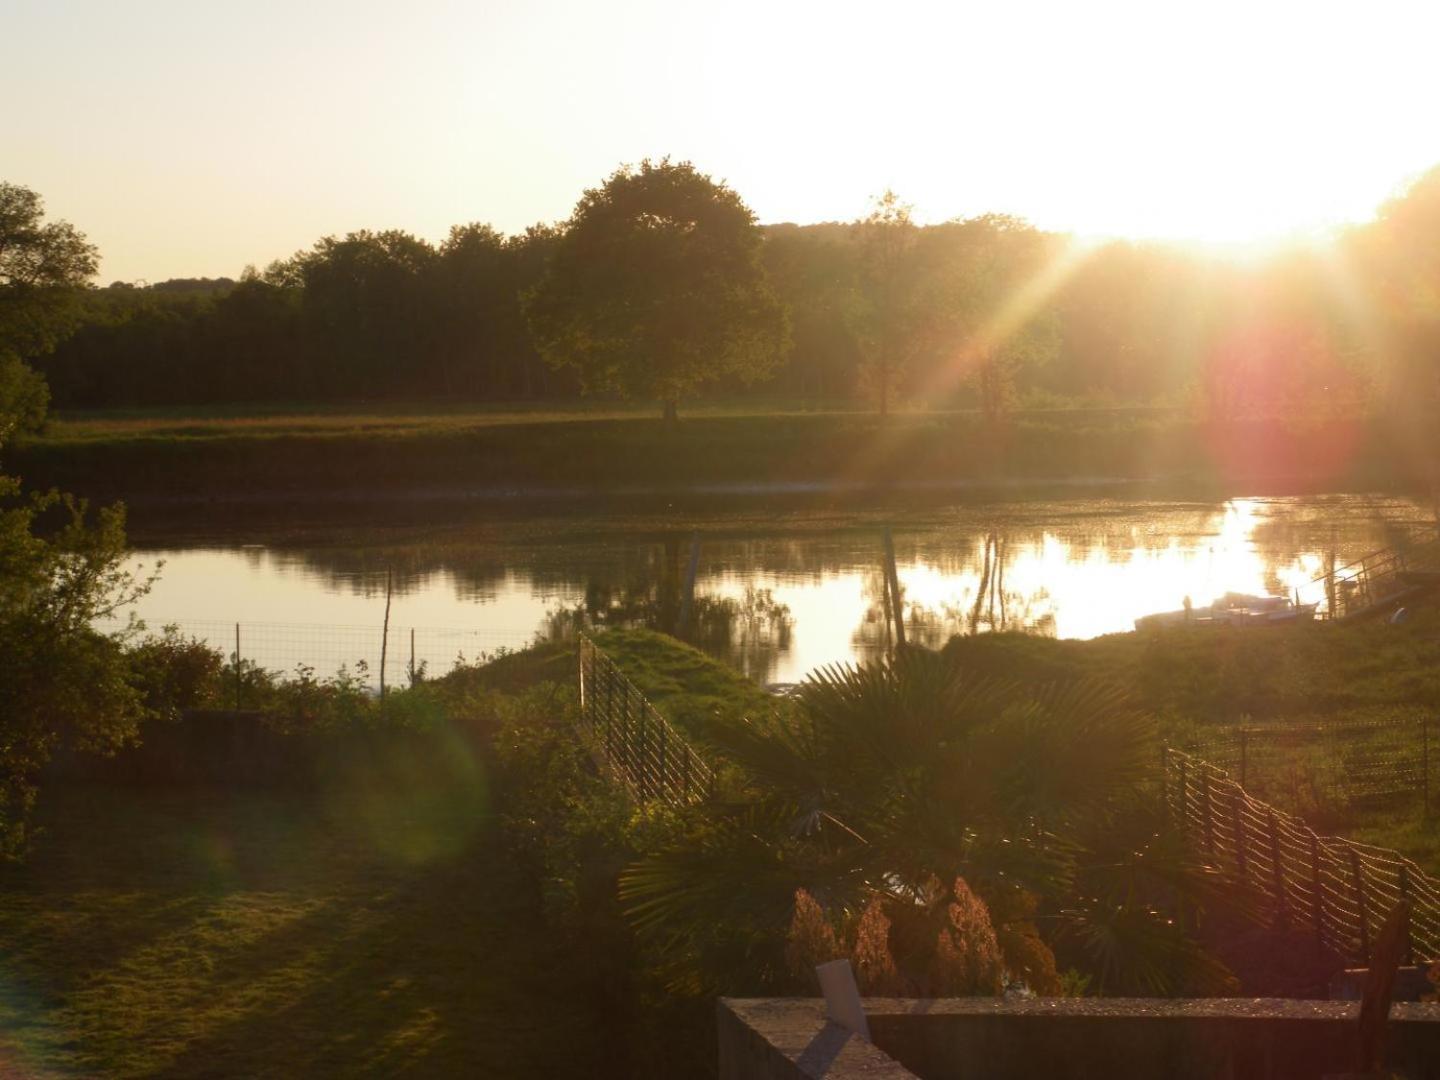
[534, 454]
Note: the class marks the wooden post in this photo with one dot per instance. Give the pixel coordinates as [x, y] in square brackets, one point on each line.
[583, 687]
[645, 787]
[385, 633]
[1244, 755]
[1405, 896]
[1238, 824]
[1425, 768]
[1165, 783]
[687, 597]
[238, 681]
[1184, 800]
[1208, 809]
[1317, 907]
[892, 579]
[609, 711]
[1355, 870]
[412, 656]
[1277, 868]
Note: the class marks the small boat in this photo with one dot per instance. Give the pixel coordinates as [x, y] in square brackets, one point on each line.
[1233, 609]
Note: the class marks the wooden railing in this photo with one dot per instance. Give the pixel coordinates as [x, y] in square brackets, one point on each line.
[1339, 889]
[633, 741]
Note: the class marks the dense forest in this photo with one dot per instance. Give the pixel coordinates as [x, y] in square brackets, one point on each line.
[985, 312]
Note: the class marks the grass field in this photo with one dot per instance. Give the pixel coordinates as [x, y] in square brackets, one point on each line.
[588, 450]
[1202, 683]
[413, 418]
[377, 929]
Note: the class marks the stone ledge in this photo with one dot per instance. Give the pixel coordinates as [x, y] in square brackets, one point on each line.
[1063, 1038]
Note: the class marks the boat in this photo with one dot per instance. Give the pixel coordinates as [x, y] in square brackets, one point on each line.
[1233, 609]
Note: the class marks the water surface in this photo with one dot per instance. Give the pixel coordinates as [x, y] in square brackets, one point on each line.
[776, 594]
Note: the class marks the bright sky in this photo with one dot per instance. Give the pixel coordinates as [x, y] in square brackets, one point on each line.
[193, 137]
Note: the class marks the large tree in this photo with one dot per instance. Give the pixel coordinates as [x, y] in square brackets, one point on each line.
[889, 312]
[40, 265]
[62, 683]
[656, 287]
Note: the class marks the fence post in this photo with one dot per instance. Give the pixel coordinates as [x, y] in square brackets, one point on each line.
[1425, 768]
[1409, 931]
[1244, 755]
[1238, 823]
[1184, 800]
[1277, 868]
[1317, 909]
[385, 633]
[609, 712]
[1209, 811]
[584, 688]
[1165, 783]
[664, 782]
[238, 681]
[412, 656]
[1360, 904]
[640, 748]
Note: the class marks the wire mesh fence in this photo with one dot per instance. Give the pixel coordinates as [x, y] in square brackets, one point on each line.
[1341, 890]
[371, 655]
[1330, 766]
[636, 743]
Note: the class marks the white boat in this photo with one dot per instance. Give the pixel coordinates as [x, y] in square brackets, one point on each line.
[1233, 609]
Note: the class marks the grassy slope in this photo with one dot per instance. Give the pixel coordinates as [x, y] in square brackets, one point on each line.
[373, 927]
[409, 450]
[680, 681]
[1196, 680]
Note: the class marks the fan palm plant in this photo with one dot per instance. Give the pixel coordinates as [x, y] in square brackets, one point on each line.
[889, 781]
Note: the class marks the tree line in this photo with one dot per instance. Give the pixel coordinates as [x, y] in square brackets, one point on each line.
[663, 287]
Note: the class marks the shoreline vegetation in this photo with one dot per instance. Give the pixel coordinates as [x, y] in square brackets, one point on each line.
[422, 452]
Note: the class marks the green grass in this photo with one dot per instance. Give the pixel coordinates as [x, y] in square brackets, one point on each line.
[685, 684]
[1201, 683]
[587, 448]
[376, 927]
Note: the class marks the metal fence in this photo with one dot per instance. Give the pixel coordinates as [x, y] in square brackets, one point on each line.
[1339, 889]
[398, 655]
[634, 741]
[1376, 579]
[1314, 766]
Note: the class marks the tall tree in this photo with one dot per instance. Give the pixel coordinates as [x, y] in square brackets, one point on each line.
[41, 263]
[997, 314]
[889, 310]
[61, 683]
[656, 287]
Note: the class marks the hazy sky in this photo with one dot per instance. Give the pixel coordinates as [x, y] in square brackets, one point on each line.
[191, 138]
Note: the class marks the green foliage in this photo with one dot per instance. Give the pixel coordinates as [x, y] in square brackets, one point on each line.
[656, 288]
[175, 673]
[896, 776]
[62, 684]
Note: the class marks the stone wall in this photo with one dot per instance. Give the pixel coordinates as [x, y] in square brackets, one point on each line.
[1068, 1039]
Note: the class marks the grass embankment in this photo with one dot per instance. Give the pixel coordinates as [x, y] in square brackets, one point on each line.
[1370, 683]
[682, 682]
[373, 925]
[417, 452]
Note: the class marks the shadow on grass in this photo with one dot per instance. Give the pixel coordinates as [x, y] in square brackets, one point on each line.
[201, 933]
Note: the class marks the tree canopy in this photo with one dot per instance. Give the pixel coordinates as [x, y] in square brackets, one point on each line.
[656, 287]
[62, 683]
[41, 263]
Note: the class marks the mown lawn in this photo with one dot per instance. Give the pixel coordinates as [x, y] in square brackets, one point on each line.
[376, 928]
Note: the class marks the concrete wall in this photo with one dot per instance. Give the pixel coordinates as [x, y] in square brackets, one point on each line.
[1074, 1039]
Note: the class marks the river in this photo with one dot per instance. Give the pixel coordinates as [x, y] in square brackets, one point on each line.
[776, 593]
